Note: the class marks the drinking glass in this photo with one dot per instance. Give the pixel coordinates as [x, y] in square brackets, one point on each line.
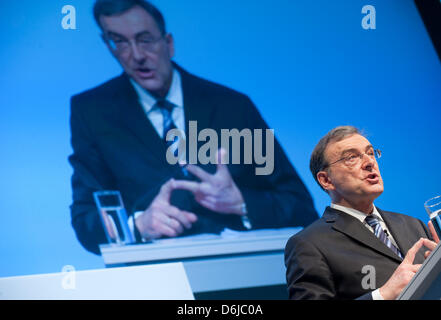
[113, 216]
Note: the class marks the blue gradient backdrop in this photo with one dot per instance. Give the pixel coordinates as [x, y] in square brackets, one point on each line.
[308, 65]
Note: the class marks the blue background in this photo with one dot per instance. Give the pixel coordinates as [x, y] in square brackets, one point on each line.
[308, 65]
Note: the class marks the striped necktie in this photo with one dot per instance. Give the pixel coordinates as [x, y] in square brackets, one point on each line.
[380, 234]
[166, 109]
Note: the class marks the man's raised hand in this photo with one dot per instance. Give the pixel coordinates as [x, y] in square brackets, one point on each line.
[163, 219]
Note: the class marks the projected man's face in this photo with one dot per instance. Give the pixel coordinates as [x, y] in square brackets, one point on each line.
[136, 41]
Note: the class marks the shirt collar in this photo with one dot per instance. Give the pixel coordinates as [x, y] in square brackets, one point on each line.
[174, 94]
[361, 216]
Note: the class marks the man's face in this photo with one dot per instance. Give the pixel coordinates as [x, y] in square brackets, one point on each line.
[135, 40]
[352, 185]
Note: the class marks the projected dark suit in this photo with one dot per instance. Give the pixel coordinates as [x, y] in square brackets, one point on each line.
[326, 260]
[116, 147]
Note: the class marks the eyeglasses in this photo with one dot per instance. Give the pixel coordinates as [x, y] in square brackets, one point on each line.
[354, 158]
[145, 43]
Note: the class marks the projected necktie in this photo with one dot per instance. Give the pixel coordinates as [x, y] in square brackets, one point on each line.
[167, 123]
[380, 234]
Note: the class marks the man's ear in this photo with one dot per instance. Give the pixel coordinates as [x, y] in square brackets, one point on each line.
[324, 180]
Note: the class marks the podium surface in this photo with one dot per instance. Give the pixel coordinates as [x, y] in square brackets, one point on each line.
[231, 260]
[156, 282]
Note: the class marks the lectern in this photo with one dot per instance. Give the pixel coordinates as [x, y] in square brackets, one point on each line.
[232, 265]
[426, 283]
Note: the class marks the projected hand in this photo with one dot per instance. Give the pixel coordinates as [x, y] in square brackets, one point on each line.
[217, 192]
[163, 219]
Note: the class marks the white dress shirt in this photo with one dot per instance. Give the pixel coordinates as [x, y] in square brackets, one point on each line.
[361, 217]
[174, 96]
[155, 116]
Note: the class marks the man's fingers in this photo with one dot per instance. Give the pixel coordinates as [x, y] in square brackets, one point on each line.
[173, 224]
[160, 225]
[166, 230]
[172, 184]
[199, 172]
[190, 216]
[415, 267]
[221, 160]
[208, 199]
[166, 225]
[429, 244]
[192, 186]
[197, 188]
[184, 217]
[207, 204]
[166, 190]
[433, 232]
[427, 253]
[410, 256]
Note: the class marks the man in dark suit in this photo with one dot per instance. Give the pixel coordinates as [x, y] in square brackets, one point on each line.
[356, 250]
[118, 132]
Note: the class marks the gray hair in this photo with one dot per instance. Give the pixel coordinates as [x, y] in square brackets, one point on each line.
[318, 160]
[115, 7]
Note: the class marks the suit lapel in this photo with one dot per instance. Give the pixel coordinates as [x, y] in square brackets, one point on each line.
[354, 229]
[131, 115]
[196, 105]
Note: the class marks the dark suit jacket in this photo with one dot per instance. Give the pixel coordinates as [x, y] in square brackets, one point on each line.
[116, 147]
[325, 260]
